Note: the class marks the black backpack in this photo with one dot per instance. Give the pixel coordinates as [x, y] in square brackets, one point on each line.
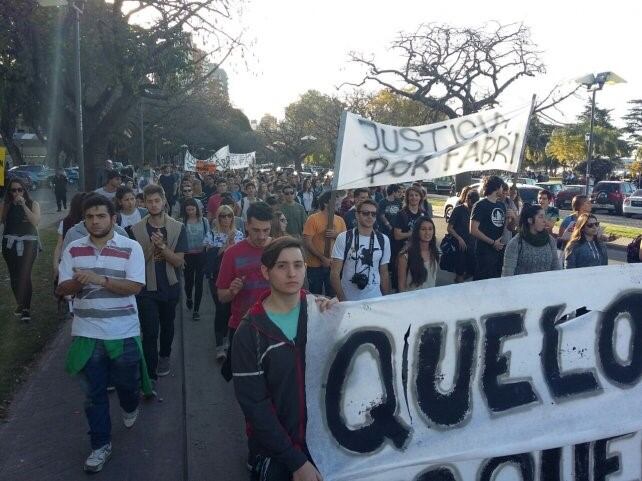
[633, 250]
[350, 239]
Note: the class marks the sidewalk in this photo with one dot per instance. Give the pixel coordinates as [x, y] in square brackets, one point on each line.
[194, 431]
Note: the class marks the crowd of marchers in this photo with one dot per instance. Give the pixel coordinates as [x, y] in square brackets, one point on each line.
[260, 241]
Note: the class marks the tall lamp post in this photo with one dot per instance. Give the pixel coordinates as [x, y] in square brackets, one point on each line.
[593, 83]
[77, 7]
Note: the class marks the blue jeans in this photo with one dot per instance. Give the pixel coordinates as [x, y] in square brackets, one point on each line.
[98, 373]
[318, 278]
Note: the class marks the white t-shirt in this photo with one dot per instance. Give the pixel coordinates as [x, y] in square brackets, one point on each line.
[131, 219]
[98, 312]
[109, 195]
[354, 263]
[244, 204]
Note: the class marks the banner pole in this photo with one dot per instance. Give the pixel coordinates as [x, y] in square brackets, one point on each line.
[523, 149]
[335, 172]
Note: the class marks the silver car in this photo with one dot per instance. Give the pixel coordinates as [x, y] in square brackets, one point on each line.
[633, 204]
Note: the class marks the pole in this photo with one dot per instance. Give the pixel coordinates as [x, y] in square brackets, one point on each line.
[80, 156]
[589, 152]
[523, 149]
[333, 195]
[142, 134]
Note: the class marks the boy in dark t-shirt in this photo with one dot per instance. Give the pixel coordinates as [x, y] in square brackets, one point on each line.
[487, 224]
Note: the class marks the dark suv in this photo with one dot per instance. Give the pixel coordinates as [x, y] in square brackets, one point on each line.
[610, 195]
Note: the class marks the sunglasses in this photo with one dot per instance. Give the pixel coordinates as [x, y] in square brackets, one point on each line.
[368, 213]
[187, 191]
[592, 224]
[223, 216]
[283, 219]
[19, 189]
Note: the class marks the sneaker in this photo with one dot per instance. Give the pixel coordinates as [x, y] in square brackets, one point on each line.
[130, 418]
[189, 303]
[18, 312]
[196, 316]
[221, 353]
[25, 316]
[111, 388]
[98, 458]
[154, 393]
[163, 368]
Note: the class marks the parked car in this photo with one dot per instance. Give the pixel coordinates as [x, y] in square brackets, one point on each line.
[632, 204]
[528, 193]
[565, 196]
[72, 175]
[39, 174]
[610, 195]
[553, 187]
[441, 185]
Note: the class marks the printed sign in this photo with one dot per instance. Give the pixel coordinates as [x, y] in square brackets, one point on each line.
[372, 154]
[529, 377]
[241, 161]
[205, 167]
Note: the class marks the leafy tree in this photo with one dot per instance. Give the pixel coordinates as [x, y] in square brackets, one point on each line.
[633, 120]
[388, 107]
[459, 71]
[567, 147]
[535, 155]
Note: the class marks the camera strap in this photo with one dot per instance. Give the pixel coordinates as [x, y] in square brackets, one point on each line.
[370, 249]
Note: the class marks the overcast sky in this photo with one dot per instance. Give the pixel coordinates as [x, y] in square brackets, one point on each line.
[301, 45]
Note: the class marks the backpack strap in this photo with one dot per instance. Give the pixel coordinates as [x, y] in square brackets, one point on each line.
[346, 250]
[382, 244]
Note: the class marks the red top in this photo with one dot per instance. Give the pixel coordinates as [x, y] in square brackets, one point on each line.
[214, 203]
[242, 260]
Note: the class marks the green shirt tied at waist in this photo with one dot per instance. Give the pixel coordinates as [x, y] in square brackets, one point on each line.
[82, 348]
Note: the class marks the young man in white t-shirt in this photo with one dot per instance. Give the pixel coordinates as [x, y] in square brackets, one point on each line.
[243, 204]
[363, 272]
[104, 271]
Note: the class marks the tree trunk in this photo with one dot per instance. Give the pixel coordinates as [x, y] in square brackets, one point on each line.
[95, 156]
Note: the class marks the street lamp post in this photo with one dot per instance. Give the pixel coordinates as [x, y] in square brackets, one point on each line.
[594, 83]
[76, 5]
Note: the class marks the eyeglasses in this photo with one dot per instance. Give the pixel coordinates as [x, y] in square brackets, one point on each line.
[187, 191]
[283, 219]
[223, 216]
[17, 189]
[368, 213]
[592, 224]
[288, 193]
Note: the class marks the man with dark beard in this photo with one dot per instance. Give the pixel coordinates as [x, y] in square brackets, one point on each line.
[104, 271]
[164, 242]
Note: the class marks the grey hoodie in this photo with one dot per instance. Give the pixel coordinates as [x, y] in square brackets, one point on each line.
[79, 231]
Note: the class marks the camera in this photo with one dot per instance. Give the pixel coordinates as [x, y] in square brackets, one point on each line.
[360, 280]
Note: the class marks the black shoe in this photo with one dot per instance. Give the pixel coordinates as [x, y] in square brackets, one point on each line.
[196, 316]
[189, 303]
[18, 311]
[26, 316]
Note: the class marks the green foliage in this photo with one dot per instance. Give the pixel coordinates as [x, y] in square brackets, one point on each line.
[600, 168]
[633, 120]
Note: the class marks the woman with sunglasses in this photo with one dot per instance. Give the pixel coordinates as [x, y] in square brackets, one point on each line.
[20, 216]
[223, 236]
[418, 262]
[279, 225]
[584, 249]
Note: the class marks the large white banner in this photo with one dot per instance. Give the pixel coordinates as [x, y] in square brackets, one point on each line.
[532, 377]
[189, 163]
[241, 161]
[372, 154]
[221, 157]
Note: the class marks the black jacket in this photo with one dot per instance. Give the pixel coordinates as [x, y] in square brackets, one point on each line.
[269, 381]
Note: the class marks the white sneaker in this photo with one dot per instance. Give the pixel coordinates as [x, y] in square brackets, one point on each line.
[130, 418]
[163, 368]
[98, 458]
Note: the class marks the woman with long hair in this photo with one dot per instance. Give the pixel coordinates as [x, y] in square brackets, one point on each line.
[279, 225]
[581, 204]
[584, 248]
[533, 249]
[198, 237]
[20, 216]
[71, 219]
[459, 228]
[418, 262]
[223, 236]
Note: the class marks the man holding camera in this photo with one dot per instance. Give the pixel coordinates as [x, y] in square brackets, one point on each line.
[360, 258]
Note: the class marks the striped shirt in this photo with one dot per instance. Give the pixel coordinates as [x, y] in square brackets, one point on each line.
[98, 312]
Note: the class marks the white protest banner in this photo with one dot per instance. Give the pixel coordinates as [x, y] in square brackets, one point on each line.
[370, 153]
[221, 157]
[529, 376]
[242, 161]
[189, 164]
